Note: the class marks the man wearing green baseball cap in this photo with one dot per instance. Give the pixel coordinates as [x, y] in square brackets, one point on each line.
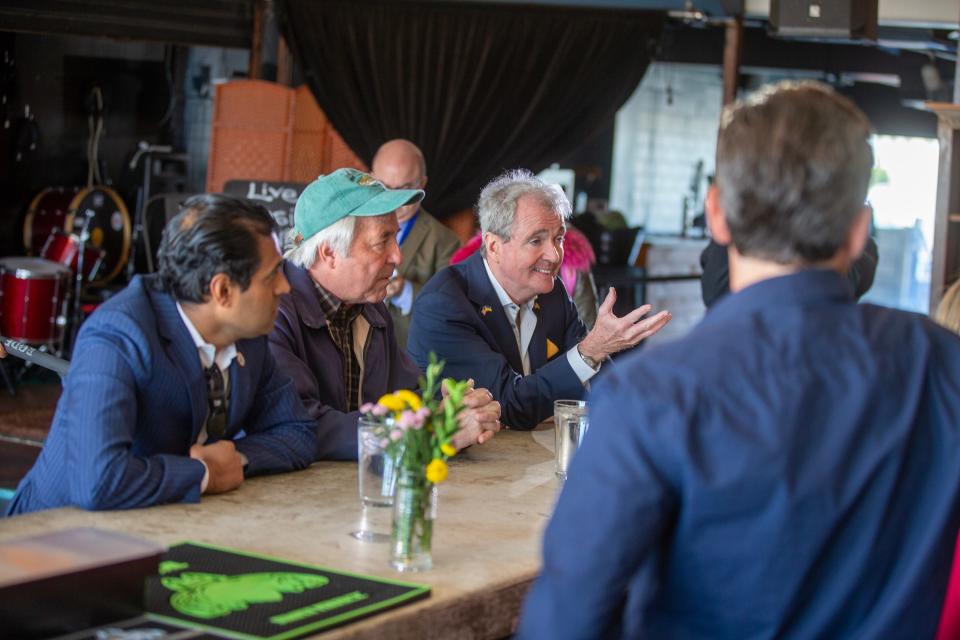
[333, 334]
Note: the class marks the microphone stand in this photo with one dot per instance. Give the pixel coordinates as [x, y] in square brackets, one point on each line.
[140, 231]
[77, 316]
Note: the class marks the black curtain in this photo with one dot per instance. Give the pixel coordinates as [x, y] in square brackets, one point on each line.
[479, 88]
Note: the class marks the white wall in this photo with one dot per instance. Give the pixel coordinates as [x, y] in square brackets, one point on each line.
[657, 143]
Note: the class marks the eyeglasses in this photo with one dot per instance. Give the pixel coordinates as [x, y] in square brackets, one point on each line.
[216, 403]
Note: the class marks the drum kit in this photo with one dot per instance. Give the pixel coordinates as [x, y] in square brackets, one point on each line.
[80, 237]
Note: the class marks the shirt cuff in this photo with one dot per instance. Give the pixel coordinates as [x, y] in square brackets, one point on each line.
[206, 476]
[404, 299]
[581, 368]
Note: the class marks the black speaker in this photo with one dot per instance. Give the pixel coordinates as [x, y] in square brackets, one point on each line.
[838, 19]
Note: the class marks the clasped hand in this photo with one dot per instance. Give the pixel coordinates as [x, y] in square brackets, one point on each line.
[224, 465]
[479, 420]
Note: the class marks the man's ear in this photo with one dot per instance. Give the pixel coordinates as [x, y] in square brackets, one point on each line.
[423, 183]
[859, 230]
[221, 290]
[492, 243]
[716, 219]
[326, 255]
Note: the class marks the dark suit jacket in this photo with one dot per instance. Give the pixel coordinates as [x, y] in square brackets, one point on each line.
[459, 317]
[427, 249]
[302, 345]
[715, 280]
[134, 402]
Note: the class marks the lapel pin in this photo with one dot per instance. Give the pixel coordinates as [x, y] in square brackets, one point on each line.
[485, 310]
[241, 360]
[536, 306]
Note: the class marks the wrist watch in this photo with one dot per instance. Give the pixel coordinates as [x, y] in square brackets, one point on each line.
[590, 362]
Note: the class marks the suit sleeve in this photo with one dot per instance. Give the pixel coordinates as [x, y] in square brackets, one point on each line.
[336, 431]
[100, 399]
[612, 518]
[447, 326]
[280, 435]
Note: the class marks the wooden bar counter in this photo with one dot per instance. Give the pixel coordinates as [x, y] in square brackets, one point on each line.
[486, 547]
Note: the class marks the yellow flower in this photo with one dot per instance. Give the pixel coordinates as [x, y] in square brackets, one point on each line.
[436, 471]
[448, 449]
[392, 402]
[412, 399]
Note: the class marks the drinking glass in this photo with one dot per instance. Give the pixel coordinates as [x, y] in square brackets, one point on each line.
[377, 482]
[570, 425]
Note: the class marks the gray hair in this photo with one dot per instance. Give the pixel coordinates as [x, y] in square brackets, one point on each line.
[497, 206]
[338, 236]
[793, 167]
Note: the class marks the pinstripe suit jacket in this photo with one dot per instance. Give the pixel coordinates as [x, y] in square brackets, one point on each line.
[135, 400]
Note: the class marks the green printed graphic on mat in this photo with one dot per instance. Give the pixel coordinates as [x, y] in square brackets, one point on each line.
[213, 595]
[169, 566]
[319, 607]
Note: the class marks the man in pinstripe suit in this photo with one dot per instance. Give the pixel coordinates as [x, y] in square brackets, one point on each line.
[172, 391]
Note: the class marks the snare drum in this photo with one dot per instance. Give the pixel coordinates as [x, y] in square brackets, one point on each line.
[33, 299]
[64, 248]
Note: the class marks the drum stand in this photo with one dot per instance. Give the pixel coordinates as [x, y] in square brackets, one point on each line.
[7, 380]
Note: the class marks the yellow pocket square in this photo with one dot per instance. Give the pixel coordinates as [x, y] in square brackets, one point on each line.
[552, 349]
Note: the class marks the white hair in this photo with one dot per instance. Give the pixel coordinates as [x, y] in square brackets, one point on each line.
[497, 207]
[338, 236]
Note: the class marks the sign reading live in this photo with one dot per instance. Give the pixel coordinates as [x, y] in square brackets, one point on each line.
[279, 198]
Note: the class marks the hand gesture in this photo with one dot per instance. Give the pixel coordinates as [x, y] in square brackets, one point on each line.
[611, 334]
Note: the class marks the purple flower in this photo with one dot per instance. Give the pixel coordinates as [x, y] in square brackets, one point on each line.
[396, 434]
[407, 419]
[366, 408]
[423, 413]
[379, 410]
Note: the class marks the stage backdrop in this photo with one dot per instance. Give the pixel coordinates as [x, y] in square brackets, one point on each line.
[480, 88]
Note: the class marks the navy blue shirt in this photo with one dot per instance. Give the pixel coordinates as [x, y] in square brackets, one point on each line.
[791, 468]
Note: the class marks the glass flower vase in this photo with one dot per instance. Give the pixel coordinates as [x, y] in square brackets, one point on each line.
[414, 510]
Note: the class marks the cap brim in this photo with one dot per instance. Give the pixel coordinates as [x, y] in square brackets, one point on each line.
[388, 201]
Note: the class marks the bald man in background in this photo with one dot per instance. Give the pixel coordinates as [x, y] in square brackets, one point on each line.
[425, 243]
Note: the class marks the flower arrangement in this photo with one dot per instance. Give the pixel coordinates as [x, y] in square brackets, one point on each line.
[417, 430]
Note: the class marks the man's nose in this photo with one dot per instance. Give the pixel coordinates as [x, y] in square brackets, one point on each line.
[396, 257]
[552, 253]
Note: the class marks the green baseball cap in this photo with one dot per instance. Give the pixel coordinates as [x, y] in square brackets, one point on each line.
[346, 192]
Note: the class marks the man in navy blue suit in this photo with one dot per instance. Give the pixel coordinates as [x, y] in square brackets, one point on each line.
[172, 391]
[789, 468]
[504, 318]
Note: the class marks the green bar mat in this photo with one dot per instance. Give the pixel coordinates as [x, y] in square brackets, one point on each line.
[248, 596]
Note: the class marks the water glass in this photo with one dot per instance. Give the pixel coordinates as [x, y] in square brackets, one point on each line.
[377, 483]
[570, 425]
[377, 472]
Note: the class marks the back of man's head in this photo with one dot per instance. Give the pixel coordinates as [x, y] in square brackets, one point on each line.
[793, 167]
[212, 234]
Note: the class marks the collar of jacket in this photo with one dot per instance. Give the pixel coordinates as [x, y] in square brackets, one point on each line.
[304, 294]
